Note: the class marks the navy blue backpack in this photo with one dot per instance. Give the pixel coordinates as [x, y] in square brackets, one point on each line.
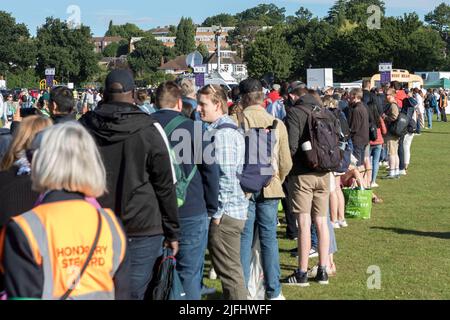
[259, 142]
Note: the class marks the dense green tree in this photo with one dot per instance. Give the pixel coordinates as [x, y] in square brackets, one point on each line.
[223, 19]
[266, 14]
[148, 55]
[185, 41]
[203, 50]
[439, 18]
[126, 31]
[17, 50]
[270, 52]
[116, 49]
[69, 51]
[352, 10]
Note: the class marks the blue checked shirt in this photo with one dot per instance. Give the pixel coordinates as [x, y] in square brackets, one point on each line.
[229, 147]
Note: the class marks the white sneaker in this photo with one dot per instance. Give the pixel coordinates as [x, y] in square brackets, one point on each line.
[212, 274]
[336, 225]
[343, 224]
[403, 172]
[313, 253]
[280, 297]
[374, 185]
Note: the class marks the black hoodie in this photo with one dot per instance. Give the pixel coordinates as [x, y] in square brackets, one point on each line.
[140, 182]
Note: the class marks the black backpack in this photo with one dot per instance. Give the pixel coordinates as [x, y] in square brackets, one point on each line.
[345, 128]
[373, 129]
[324, 132]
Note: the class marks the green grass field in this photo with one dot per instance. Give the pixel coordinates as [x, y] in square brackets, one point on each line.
[408, 236]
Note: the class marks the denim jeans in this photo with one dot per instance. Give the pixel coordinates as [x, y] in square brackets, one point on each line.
[191, 254]
[262, 213]
[429, 112]
[143, 251]
[375, 153]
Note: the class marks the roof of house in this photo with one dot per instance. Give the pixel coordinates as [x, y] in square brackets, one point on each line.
[179, 63]
[108, 39]
[233, 58]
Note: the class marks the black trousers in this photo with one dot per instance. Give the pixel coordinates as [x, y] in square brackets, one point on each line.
[291, 219]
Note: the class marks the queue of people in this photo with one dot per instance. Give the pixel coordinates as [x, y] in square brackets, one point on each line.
[94, 201]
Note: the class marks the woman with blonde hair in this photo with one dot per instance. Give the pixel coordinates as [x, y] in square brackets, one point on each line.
[67, 246]
[15, 182]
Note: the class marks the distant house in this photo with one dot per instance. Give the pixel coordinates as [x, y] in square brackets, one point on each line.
[176, 66]
[101, 43]
[230, 64]
[112, 63]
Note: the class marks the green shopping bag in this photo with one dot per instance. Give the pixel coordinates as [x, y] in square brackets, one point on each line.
[358, 203]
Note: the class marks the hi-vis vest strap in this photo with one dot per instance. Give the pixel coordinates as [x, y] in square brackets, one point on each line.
[60, 237]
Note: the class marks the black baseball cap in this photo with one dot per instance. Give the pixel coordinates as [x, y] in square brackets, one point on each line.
[250, 85]
[122, 77]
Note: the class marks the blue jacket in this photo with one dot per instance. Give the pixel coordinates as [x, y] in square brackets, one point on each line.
[203, 191]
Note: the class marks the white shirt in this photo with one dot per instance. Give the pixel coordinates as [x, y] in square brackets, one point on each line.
[420, 107]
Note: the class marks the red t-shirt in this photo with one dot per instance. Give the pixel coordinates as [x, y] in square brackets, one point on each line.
[274, 95]
[400, 96]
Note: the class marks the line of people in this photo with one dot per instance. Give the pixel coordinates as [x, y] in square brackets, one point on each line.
[170, 180]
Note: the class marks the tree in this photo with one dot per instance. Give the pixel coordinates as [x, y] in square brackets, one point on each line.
[185, 41]
[17, 50]
[146, 58]
[203, 50]
[266, 14]
[352, 10]
[439, 18]
[302, 14]
[116, 49]
[69, 51]
[126, 31]
[270, 52]
[223, 19]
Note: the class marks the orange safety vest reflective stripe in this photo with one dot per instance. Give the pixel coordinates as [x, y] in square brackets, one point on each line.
[60, 236]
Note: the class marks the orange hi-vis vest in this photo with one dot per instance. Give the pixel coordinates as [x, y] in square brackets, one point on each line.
[60, 236]
[443, 101]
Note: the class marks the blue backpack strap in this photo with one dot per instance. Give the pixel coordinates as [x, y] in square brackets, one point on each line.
[227, 125]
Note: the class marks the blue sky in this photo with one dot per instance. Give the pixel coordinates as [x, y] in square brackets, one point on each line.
[150, 13]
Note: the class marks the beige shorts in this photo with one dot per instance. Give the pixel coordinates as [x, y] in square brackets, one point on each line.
[392, 145]
[310, 193]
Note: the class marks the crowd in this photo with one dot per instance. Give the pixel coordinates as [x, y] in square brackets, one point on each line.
[99, 184]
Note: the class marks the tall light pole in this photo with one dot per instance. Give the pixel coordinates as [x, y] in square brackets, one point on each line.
[218, 32]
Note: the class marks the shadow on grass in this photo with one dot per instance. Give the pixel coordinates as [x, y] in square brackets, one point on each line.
[438, 235]
[434, 132]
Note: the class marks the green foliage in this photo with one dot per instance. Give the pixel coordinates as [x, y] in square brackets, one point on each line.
[116, 49]
[126, 31]
[17, 50]
[439, 18]
[172, 31]
[352, 10]
[185, 41]
[23, 79]
[223, 19]
[154, 79]
[266, 14]
[270, 52]
[203, 50]
[69, 51]
[146, 58]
